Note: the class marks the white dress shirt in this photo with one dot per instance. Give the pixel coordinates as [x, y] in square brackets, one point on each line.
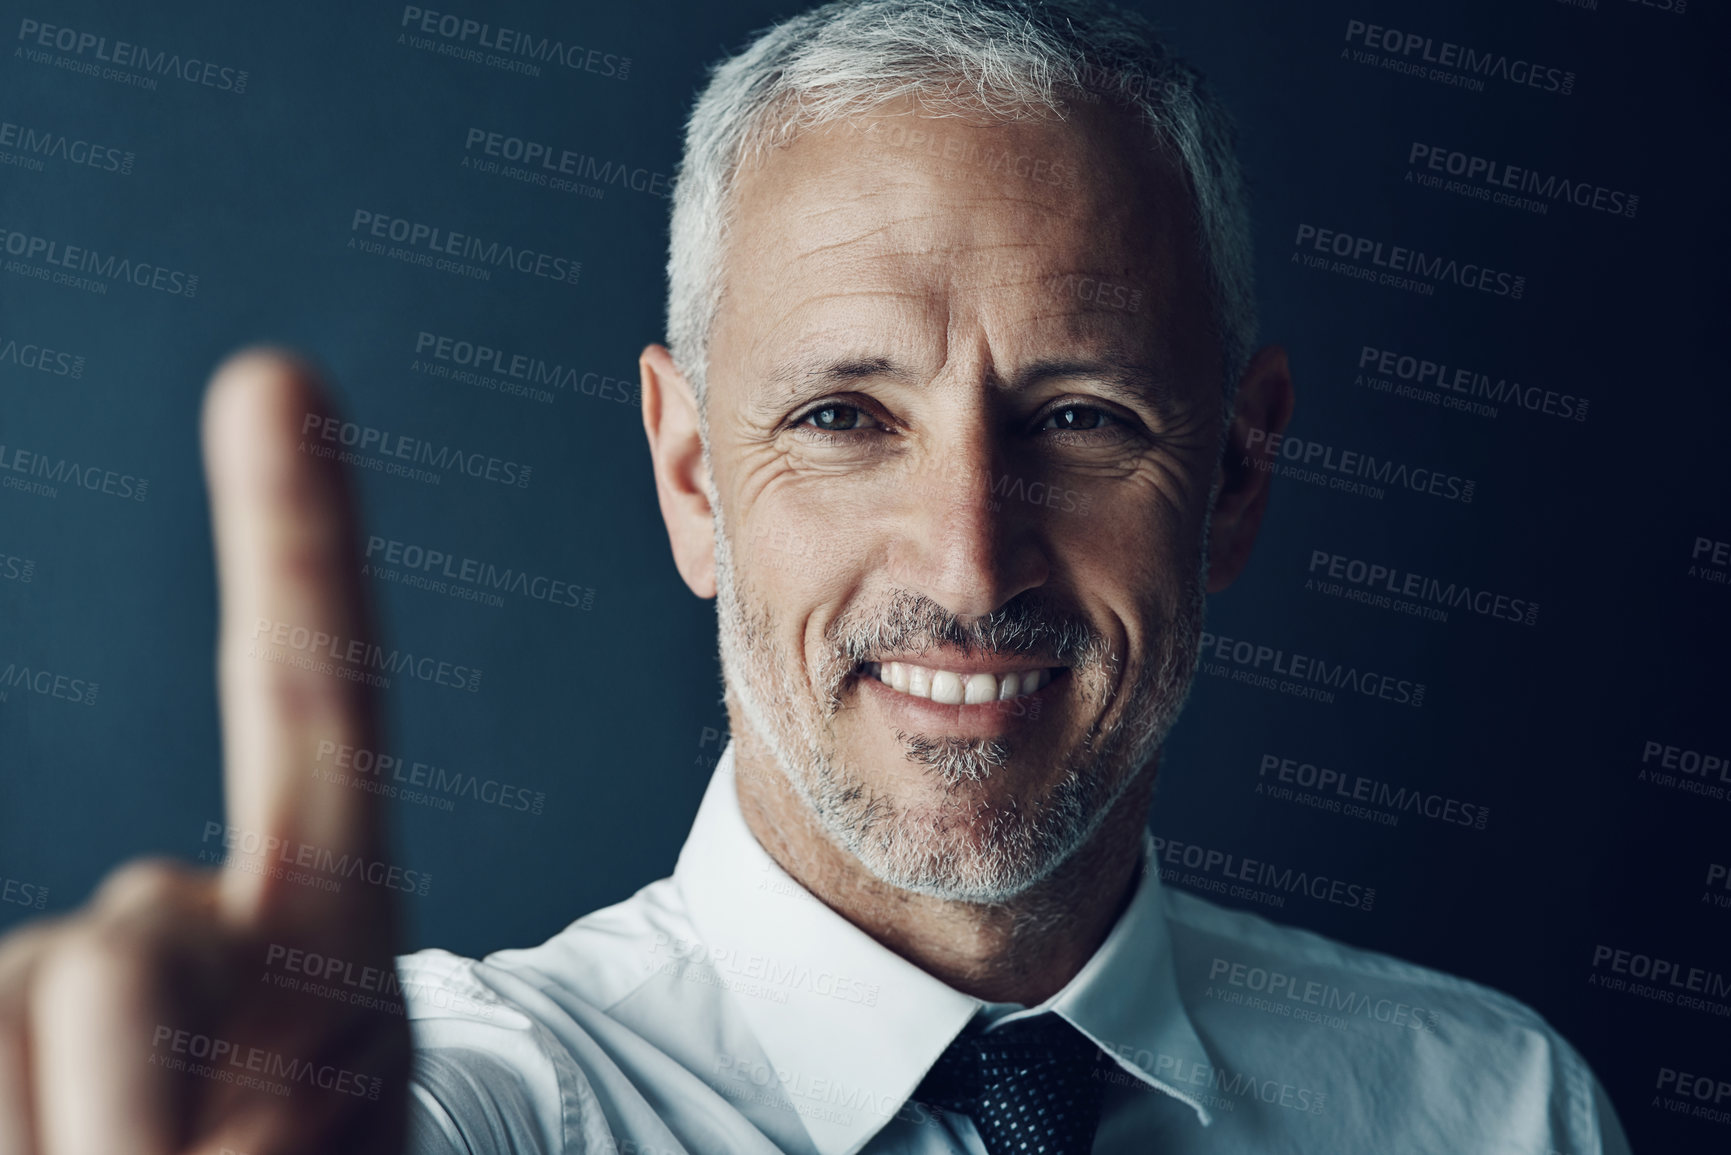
[726, 1010]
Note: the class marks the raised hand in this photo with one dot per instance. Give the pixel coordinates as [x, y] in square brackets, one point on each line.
[168, 1014]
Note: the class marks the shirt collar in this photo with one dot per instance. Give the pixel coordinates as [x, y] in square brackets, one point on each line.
[1125, 998]
[851, 1026]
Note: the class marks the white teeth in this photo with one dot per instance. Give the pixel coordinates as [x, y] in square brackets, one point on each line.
[953, 689]
[980, 688]
[946, 688]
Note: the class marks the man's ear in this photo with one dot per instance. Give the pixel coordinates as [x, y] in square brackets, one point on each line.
[681, 477]
[1264, 406]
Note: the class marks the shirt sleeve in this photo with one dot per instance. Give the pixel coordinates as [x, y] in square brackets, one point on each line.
[486, 1079]
[1612, 1141]
[465, 1102]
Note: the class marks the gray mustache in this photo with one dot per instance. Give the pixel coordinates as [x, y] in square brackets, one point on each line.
[1027, 625]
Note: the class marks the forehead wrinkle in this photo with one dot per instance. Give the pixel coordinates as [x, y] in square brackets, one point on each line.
[845, 242]
[1070, 313]
[847, 206]
[1035, 260]
[876, 293]
[992, 246]
[805, 345]
[947, 215]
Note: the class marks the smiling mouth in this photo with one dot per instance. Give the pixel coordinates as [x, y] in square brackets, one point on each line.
[951, 688]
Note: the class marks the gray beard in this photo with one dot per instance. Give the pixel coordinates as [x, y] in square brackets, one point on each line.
[953, 761]
[960, 850]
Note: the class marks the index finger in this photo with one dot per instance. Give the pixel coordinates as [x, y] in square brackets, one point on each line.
[292, 622]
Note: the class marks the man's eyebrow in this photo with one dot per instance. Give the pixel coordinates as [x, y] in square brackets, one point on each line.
[1130, 381]
[802, 378]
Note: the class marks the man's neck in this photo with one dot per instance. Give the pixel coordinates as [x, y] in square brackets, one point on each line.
[1021, 951]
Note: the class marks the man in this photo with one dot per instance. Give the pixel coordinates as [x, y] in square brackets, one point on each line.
[955, 427]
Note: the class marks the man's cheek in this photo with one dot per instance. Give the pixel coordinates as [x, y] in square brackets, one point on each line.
[1137, 532]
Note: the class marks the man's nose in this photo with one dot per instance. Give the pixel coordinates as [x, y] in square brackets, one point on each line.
[968, 544]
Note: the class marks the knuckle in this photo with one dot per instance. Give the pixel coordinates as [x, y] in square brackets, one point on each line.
[97, 947]
[101, 967]
[92, 971]
[16, 957]
[19, 950]
[142, 884]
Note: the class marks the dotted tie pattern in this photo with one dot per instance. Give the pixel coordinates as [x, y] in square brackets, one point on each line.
[1029, 1087]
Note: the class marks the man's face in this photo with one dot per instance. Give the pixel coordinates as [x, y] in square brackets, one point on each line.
[963, 410]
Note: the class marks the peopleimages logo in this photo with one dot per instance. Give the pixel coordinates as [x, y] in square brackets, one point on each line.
[1386, 586]
[1454, 387]
[1685, 769]
[533, 376]
[508, 48]
[34, 144]
[1302, 675]
[36, 680]
[48, 256]
[467, 578]
[544, 164]
[355, 658]
[393, 776]
[57, 471]
[1661, 980]
[1498, 182]
[1710, 560]
[960, 149]
[23, 893]
[441, 243]
[269, 853]
[1171, 855]
[1334, 788]
[124, 55]
[1291, 988]
[221, 1059]
[1305, 457]
[30, 355]
[1443, 60]
[1711, 1096]
[1216, 1084]
[1397, 266]
[778, 976]
[369, 439]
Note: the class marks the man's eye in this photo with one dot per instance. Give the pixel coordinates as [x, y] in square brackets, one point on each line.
[1077, 417]
[837, 418]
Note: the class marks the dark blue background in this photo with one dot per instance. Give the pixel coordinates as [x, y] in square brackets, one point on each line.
[612, 712]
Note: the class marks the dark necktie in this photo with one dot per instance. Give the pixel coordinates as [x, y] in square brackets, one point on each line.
[1029, 1087]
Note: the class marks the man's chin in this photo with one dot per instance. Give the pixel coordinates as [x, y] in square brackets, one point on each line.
[973, 839]
[950, 780]
[957, 851]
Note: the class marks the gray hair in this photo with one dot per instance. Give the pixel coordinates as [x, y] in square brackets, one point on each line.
[1003, 58]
